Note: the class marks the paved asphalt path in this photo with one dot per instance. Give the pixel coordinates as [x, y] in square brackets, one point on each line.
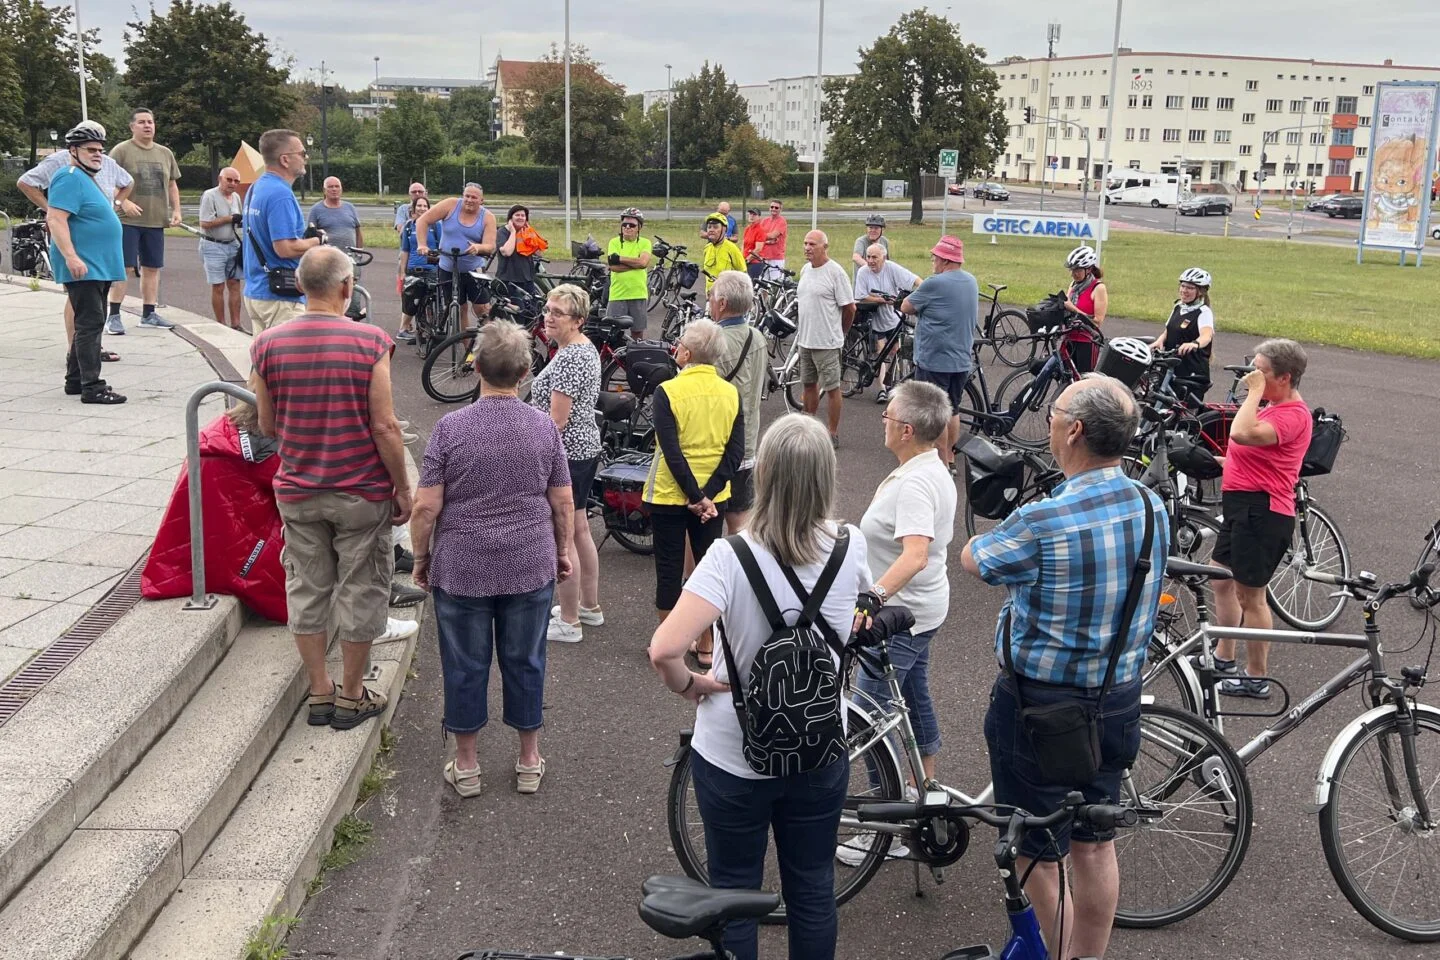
[561, 870]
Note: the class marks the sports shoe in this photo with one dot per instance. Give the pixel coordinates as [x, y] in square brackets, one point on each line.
[156, 321]
[883, 396]
[853, 851]
[403, 596]
[409, 437]
[562, 632]
[589, 616]
[1257, 688]
[398, 630]
[1223, 668]
[115, 325]
[404, 560]
[405, 336]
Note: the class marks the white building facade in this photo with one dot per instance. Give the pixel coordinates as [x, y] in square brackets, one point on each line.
[1213, 116]
[782, 110]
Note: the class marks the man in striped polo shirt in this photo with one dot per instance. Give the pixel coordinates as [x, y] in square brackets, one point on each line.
[322, 385]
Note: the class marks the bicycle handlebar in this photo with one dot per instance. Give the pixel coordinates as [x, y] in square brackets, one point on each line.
[1103, 816]
[361, 256]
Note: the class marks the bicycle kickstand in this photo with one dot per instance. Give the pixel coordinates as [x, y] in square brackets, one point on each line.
[919, 891]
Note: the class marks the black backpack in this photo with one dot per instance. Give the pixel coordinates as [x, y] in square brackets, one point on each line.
[789, 711]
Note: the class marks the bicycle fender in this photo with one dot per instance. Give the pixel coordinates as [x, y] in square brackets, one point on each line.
[867, 714]
[1192, 683]
[1337, 746]
[682, 749]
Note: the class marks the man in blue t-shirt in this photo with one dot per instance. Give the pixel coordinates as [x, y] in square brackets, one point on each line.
[87, 255]
[274, 230]
[946, 307]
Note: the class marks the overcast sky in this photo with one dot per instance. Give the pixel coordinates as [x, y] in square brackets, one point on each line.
[758, 40]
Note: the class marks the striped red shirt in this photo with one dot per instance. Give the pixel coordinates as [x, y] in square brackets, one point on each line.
[317, 370]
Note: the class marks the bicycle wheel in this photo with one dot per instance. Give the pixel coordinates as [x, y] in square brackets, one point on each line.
[856, 371]
[1193, 799]
[1428, 555]
[1030, 426]
[1384, 859]
[613, 378]
[449, 372]
[1010, 332]
[789, 380]
[874, 778]
[1316, 542]
[655, 286]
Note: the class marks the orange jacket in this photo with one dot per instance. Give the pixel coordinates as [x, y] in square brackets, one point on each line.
[752, 240]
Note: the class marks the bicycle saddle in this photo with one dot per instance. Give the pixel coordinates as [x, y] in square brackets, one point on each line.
[997, 287]
[680, 908]
[615, 406]
[1176, 567]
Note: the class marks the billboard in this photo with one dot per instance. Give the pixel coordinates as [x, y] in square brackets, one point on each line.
[1021, 223]
[1402, 158]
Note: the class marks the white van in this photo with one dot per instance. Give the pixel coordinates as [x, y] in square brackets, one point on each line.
[1139, 186]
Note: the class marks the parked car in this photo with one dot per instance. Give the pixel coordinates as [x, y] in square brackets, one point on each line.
[990, 191]
[956, 189]
[1352, 207]
[1204, 206]
[1318, 203]
[1435, 232]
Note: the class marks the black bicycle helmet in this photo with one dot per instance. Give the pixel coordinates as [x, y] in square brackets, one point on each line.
[86, 131]
[875, 220]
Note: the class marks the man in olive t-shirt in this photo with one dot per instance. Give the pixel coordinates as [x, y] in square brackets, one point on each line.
[157, 194]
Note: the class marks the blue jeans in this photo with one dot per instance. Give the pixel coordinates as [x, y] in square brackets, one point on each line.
[910, 653]
[513, 627]
[804, 811]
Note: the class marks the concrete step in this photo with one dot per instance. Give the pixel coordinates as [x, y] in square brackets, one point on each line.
[263, 859]
[64, 752]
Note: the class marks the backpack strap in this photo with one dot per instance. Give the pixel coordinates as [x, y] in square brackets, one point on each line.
[812, 600]
[744, 352]
[768, 606]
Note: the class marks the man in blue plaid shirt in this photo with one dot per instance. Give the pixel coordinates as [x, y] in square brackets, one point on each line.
[1067, 562]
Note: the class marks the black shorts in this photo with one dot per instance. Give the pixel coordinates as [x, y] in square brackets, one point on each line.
[143, 246]
[582, 478]
[471, 290]
[742, 493]
[1253, 538]
[952, 383]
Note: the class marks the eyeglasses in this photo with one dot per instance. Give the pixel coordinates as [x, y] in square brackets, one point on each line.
[231, 179]
[552, 311]
[1054, 408]
[95, 150]
[296, 153]
[903, 423]
[630, 226]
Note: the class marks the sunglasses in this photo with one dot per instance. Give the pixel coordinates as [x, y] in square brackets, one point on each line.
[630, 226]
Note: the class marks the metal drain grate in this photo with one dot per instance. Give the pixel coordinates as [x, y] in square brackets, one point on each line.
[19, 689]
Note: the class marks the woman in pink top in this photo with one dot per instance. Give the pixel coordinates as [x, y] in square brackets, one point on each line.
[1262, 466]
[1087, 296]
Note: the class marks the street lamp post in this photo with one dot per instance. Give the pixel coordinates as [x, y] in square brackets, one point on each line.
[1109, 128]
[1290, 219]
[669, 95]
[819, 74]
[324, 124]
[379, 178]
[80, 60]
[567, 124]
[309, 182]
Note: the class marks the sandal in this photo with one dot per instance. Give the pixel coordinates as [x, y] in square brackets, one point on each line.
[104, 395]
[351, 713]
[321, 707]
[109, 356]
[527, 779]
[706, 658]
[466, 782]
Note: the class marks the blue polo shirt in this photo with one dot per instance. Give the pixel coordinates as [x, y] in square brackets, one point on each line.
[94, 229]
[271, 213]
[947, 307]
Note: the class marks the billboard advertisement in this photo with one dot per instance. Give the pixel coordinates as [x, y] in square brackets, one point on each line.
[1022, 223]
[1402, 157]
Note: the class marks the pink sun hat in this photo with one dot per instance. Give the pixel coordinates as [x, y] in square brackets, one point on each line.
[949, 248]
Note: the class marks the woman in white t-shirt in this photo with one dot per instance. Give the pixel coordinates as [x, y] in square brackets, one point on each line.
[908, 528]
[1190, 332]
[794, 494]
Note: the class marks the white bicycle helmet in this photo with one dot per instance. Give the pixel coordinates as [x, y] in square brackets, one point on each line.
[1132, 348]
[1196, 276]
[633, 212]
[1081, 258]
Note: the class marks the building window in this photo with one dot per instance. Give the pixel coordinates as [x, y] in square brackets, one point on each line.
[1085, 132]
[1104, 101]
[1064, 163]
[1244, 149]
[1252, 85]
[1054, 103]
[1343, 138]
[1368, 90]
[1291, 168]
[1084, 103]
[1144, 134]
[1224, 103]
[1171, 135]
[1322, 106]
[1147, 101]
[1199, 103]
[1273, 106]
[1029, 144]
[1271, 136]
[1360, 152]
[1293, 137]
[1170, 73]
[1069, 131]
[1222, 136]
[1247, 118]
[1317, 138]
[1134, 164]
[1174, 103]
[1197, 136]
[1345, 105]
[1101, 134]
[1133, 102]
[1314, 169]
[1364, 121]
[1149, 70]
[1022, 103]
[1297, 106]
[1339, 168]
[1129, 133]
[1035, 85]
[1012, 103]
[1069, 103]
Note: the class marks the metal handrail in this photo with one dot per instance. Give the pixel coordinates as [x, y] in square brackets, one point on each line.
[199, 599]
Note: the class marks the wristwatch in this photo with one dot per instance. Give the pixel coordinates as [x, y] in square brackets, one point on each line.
[880, 592]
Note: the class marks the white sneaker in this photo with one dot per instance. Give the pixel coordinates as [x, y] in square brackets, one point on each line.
[562, 632]
[398, 630]
[853, 851]
[589, 616]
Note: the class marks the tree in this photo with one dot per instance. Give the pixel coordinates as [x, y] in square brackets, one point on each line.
[647, 128]
[40, 43]
[599, 139]
[703, 107]
[752, 157]
[411, 136]
[11, 98]
[920, 89]
[467, 123]
[209, 78]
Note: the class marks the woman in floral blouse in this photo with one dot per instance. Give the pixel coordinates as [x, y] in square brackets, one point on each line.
[568, 389]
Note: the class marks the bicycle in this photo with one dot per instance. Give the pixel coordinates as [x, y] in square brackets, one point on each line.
[667, 260]
[1372, 764]
[860, 364]
[1008, 331]
[1025, 396]
[30, 249]
[1185, 780]
[359, 309]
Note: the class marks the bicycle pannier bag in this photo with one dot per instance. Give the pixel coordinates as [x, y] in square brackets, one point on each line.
[1048, 315]
[1065, 737]
[789, 707]
[1193, 459]
[993, 478]
[24, 255]
[686, 274]
[1325, 439]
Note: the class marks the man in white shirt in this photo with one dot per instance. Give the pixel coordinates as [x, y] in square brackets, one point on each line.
[827, 309]
[879, 282]
[220, 208]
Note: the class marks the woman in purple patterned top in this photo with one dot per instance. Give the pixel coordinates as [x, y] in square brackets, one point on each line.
[495, 494]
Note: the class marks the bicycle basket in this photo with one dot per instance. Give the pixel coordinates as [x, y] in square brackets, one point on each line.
[586, 249]
[660, 251]
[1325, 439]
[1047, 316]
[686, 273]
[1112, 363]
[993, 478]
[1193, 459]
[778, 324]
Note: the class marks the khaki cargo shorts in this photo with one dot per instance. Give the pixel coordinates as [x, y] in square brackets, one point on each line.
[265, 314]
[820, 366]
[338, 557]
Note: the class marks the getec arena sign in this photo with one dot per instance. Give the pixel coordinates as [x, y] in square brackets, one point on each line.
[1018, 223]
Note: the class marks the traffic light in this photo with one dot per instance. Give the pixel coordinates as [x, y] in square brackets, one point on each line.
[1029, 114]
